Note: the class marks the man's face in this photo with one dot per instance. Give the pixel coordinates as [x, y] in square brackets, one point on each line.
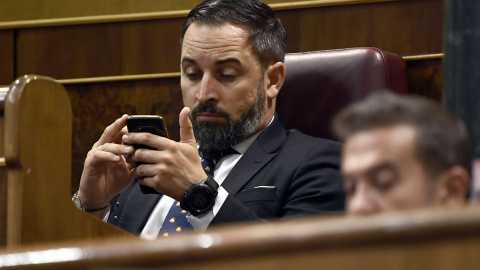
[382, 173]
[222, 83]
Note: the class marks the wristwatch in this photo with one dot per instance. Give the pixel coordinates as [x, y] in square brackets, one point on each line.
[79, 205]
[200, 198]
[77, 201]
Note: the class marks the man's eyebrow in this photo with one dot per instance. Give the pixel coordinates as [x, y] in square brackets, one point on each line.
[219, 62]
[386, 165]
[228, 60]
[190, 60]
[383, 166]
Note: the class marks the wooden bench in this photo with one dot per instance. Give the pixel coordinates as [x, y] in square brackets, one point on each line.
[438, 239]
[3, 170]
[37, 149]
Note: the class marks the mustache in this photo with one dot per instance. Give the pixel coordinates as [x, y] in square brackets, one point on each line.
[207, 108]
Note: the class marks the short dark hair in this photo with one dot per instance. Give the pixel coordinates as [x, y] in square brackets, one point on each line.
[442, 140]
[267, 37]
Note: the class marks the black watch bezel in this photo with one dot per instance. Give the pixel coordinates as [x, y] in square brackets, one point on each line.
[200, 198]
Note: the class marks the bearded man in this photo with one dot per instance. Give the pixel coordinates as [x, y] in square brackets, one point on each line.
[231, 73]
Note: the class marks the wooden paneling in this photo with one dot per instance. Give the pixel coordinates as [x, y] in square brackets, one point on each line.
[425, 77]
[6, 56]
[97, 105]
[143, 47]
[27, 10]
[20, 10]
[60, 51]
[403, 27]
[97, 50]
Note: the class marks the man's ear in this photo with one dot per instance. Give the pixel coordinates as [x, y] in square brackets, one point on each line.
[452, 186]
[275, 76]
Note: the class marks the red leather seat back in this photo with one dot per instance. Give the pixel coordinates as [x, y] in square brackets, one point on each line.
[318, 84]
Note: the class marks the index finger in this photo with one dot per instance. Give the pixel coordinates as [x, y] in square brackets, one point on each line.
[144, 138]
[112, 131]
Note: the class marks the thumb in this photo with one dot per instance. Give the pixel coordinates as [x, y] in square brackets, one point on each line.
[186, 128]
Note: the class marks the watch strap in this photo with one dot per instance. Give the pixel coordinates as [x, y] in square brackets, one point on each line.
[212, 184]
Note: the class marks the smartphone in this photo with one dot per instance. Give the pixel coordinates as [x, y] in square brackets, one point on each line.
[147, 123]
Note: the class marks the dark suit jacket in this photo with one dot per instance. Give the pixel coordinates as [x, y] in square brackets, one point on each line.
[304, 171]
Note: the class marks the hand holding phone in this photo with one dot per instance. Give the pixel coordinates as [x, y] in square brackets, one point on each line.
[147, 123]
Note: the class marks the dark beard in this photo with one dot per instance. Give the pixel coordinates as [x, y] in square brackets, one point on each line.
[217, 136]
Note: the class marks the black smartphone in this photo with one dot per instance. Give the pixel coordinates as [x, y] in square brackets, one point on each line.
[147, 123]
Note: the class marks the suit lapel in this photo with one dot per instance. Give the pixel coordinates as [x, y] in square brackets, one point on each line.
[262, 150]
[138, 206]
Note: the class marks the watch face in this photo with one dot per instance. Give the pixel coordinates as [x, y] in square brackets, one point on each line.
[201, 199]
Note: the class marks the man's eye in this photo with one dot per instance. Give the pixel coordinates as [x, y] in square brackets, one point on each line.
[192, 76]
[227, 76]
[385, 180]
[383, 186]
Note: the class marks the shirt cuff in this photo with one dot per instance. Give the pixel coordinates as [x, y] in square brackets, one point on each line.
[201, 222]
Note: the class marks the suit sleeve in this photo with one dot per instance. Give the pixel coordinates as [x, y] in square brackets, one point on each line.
[307, 182]
[317, 186]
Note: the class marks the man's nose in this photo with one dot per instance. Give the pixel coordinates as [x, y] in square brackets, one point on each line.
[208, 90]
[362, 202]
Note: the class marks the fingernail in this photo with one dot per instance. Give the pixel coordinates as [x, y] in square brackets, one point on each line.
[128, 148]
[124, 137]
[116, 157]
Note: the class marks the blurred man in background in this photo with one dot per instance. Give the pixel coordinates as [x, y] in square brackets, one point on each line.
[402, 152]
